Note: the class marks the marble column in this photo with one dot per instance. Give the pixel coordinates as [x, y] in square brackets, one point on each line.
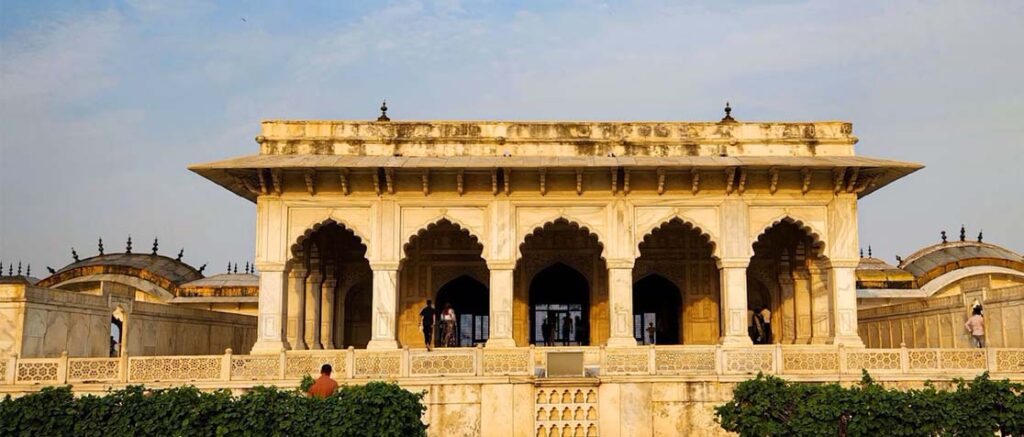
[734, 301]
[802, 300]
[297, 307]
[843, 281]
[327, 309]
[314, 284]
[620, 300]
[385, 303]
[821, 331]
[786, 331]
[500, 328]
[273, 307]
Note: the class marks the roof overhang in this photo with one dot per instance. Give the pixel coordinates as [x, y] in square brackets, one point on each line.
[229, 173]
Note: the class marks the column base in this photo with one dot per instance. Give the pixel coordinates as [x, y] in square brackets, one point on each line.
[822, 340]
[382, 344]
[501, 343]
[849, 341]
[735, 340]
[621, 342]
[267, 347]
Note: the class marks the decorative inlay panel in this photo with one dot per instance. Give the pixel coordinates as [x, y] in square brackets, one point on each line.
[192, 368]
[800, 361]
[748, 361]
[441, 363]
[924, 359]
[669, 362]
[623, 362]
[510, 362]
[377, 364]
[255, 367]
[566, 411]
[37, 371]
[963, 359]
[1010, 360]
[873, 360]
[309, 363]
[93, 369]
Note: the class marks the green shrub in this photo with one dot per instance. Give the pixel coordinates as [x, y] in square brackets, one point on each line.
[373, 409]
[771, 406]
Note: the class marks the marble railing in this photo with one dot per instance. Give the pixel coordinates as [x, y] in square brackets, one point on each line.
[698, 362]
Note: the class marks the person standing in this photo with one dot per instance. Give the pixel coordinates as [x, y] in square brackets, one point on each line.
[651, 330]
[766, 317]
[976, 326]
[758, 328]
[566, 330]
[427, 316]
[324, 386]
[544, 332]
[579, 330]
[448, 338]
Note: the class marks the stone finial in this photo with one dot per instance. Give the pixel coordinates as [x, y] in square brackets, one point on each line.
[19, 268]
[862, 252]
[181, 253]
[979, 236]
[963, 233]
[728, 114]
[100, 245]
[156, 245]
[869, 251]
[899, 259]
[74, 255]
[51, 270]
[1, 268]
[236, 269]
[943, 237]
[28, 271]
[201, 268]
[383, 112]
[247, 267]
[128, 246]
[229, 266]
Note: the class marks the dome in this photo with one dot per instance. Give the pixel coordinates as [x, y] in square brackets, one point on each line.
[166, 273]
[875, 273]
[932, 261]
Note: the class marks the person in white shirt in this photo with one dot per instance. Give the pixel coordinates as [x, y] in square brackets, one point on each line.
[976, 326]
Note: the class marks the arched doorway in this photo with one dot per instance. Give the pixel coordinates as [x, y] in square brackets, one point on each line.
[357, 320]
[657, 305]
[559, 307]
[469, 299]
[443, 261]
[787, 276]
[116, 340]
[682, 257]
[326, 260]
[561, 264]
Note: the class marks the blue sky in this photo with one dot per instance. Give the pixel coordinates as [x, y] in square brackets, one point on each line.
[104, 104]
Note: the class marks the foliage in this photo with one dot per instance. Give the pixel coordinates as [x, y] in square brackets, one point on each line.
[306, 383]
[771, 406]
[373, 409]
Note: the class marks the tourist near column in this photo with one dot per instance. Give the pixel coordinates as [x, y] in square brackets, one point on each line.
[427, 317]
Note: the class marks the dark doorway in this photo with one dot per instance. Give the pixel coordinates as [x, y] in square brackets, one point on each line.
[559, 307]
[116, 328]
[471, 302]
[357, 324]
[657, 305]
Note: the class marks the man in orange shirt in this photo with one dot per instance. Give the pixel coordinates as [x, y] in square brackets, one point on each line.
[324, 386]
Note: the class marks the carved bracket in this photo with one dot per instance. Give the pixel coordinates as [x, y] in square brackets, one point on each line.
[730, 178]
[806, 174]
[425, 178]
[310, 181]
[389, 179]
[837, 179]
[494, 181]
[343, 177]
[543, 172]
[264, 184]
[625, 180]
[579, 181]
[277, 178]
[773, 180]
[459, 177]
[376, 181]
[695, 183]
[661, 181]
[508, 181]
[615, 180]
[742, 182]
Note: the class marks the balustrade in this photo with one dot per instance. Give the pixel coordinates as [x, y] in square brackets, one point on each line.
[806, 362]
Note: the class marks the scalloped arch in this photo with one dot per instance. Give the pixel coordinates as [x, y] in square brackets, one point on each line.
[432, 223]
[537, 230]
[820, 247]
[301, 239]
[676, 217]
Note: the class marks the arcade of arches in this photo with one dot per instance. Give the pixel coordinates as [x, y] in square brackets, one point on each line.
[560, 287]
